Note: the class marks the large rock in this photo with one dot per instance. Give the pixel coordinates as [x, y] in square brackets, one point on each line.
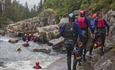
[47, 17]
[107, 65]
[13, 40]
[106, 62]
[28, 25]
[48, 32]
[47, 51]
[2, 32]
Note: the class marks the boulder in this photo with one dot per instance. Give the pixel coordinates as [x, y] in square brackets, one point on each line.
[13, 40]
[2, 32]
[47, 33]
[47, 17]
[58, 44]
[107, 65]
[47, 51]
[26, 45]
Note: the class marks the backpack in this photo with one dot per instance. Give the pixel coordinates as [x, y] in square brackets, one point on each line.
[82, 22]
[66, 30]
[100, 23]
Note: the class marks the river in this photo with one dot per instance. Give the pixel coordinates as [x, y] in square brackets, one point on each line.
[26, 59]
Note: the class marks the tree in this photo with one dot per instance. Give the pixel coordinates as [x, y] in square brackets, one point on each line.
[27, 12]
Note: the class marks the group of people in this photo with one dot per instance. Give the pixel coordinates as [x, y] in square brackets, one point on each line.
[29, 37]
[78, 30]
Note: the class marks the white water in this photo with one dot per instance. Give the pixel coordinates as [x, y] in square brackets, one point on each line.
[25, 60]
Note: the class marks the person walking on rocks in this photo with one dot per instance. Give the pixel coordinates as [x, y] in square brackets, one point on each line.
[84, 24]
[101, 30]
[69, 32]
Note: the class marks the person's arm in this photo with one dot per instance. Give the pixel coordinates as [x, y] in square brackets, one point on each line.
[107, 26]
[77, 28]
[94, 26]
[88, 22]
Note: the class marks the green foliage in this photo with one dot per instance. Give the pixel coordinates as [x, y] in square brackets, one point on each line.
[66, 6]
[15, 11]
[113, 6]
[62, 6]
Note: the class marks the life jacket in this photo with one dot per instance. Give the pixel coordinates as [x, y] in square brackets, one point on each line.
[82, 22]
[67, 30]
[100, 23]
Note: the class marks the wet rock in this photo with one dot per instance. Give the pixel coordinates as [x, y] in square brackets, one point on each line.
[1, 64]
[26, 44]
[13, 40]
[2, 32]
[58, 44]
[19, 49]
[42, 50]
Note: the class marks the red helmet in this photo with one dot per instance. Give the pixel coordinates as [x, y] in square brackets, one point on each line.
[94, 15]
[82, 12]
[37, 63]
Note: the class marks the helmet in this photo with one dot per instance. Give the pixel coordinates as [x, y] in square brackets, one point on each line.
[37, 63]
[82, 12]
[94, 15]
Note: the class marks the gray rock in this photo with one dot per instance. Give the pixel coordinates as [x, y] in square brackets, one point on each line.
[2, 32]
[13, 40]
[47, 51]
[107, 65]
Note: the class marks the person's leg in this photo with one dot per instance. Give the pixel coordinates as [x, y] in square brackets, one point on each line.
[91, 47]
[69, 54]
[79, 62]
[85, 48]
[103, 42]
[74, 63]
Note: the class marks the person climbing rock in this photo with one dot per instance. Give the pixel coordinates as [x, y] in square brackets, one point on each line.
[84, 24]
[69, 32]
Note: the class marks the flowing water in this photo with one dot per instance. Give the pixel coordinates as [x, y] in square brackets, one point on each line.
[25, 60]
